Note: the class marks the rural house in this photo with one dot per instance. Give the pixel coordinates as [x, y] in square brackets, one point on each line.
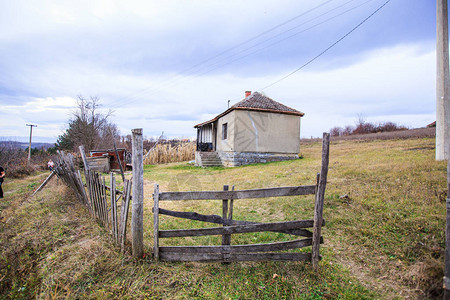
[254, 130]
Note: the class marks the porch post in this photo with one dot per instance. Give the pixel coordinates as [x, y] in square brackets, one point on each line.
[198, 137]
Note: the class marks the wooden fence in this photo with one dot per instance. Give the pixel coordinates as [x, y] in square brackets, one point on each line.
[254, 252]
[94, 194]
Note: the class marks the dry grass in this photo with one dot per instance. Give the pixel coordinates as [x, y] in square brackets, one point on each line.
[388, 230]
[385, 240]
[166, 153]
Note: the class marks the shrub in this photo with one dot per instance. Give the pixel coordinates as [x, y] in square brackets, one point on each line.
[363, 127]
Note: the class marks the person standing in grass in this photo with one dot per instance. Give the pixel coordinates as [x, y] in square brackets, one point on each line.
[50, 165]
[2, 175]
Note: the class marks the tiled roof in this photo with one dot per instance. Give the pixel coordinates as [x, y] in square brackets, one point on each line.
[257, 102]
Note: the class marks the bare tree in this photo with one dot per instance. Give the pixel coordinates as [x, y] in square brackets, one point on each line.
[336, 131]
[89, 126]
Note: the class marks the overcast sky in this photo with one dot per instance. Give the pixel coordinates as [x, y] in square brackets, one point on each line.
[168, 65]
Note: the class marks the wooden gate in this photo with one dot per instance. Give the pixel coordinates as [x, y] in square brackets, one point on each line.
[253, 252]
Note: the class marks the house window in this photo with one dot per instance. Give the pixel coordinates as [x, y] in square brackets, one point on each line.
[224, 131]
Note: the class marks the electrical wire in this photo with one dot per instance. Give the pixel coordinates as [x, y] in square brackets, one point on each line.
[178, 80]
[143, 91]
[284, 39]
[327, 49]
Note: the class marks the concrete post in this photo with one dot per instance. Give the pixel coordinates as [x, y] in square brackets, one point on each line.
[442, 82]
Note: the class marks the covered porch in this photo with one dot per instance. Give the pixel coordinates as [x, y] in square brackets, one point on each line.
[207, 137]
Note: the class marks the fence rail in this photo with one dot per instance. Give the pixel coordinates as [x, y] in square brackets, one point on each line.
[252, 252]
[242, 194]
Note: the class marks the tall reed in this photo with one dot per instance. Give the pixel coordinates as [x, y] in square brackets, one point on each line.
[166, 153]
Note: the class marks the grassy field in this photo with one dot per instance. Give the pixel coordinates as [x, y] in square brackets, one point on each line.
[384, 236]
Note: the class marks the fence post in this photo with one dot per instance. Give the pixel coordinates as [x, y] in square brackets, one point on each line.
[137, 216]
[156, 223]
[226, 238]
[320, 195]
[83, 156]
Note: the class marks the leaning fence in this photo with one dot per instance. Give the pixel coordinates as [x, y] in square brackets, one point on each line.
[101, 200]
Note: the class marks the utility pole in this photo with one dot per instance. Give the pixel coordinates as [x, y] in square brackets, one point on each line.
[442, 82]
[29, 145]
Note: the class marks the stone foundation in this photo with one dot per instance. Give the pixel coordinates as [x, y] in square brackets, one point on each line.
[233, 159]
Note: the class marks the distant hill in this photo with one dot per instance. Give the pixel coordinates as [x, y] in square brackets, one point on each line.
[26, 139]
[22, 145]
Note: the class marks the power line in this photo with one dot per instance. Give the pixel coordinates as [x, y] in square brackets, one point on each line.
[143, 91]
[182, 78]
[326, 50]
[286, 38]
[278, 35]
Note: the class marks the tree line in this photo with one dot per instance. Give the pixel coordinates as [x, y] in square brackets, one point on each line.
[88, 125]
[364, 127]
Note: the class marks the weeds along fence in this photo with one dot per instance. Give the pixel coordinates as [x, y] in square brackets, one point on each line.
[166, 153]
[253, 252]
[101, 200]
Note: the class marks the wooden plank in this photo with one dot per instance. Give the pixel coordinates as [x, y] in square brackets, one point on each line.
[276, 246]
[73, 185]
[208, 257]
[320, 196]
[219, 220]
[83, 156]
[112, 195]
[97, 196]
[83, 190]
[242, 194]
[192, 216]
[156, 222]
[137, 215]
[100, 198]
[44, 183]
[88, 188]
[226, 238]
[118, 158]
[124, 213]
[91, 193]
[99, 164]
[105, 203]
[230, 215]
[236, 229]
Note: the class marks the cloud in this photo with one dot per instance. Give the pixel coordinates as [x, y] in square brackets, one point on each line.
[384, 85]
[132, 56]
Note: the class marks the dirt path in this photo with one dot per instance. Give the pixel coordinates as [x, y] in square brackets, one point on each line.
[19, 183]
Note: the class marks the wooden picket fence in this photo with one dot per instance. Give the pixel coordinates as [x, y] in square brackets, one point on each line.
[101, 200]
[253, 252]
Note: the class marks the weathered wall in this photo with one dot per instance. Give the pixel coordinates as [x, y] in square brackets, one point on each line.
[228, 144]
[233, 159]
[263, 132]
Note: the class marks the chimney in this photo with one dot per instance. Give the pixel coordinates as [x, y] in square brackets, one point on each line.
[247, 93]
